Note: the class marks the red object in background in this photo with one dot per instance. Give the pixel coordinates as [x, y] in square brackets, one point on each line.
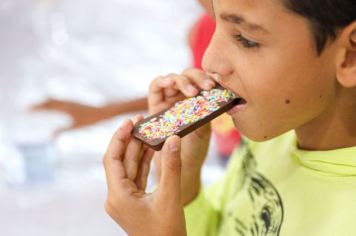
[201, 35]
[227, 136]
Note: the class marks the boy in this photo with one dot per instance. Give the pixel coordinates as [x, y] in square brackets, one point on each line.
[294, 64]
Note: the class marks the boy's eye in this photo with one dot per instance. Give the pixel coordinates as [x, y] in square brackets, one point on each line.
[245, 42]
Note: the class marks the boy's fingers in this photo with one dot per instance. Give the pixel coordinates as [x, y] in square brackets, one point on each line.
[133, 154]
[144, 170]
[114, 155]
[157, 166]
[169, 186]
[185, 85]
[200, 78]
[120, 140]
[156, 89]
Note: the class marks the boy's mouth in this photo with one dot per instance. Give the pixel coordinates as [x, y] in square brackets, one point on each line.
[240, 104]
[240, 101]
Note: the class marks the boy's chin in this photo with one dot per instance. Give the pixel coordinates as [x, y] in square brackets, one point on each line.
[257, 136]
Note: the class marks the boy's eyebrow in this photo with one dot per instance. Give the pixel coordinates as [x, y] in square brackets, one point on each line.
[239, 20]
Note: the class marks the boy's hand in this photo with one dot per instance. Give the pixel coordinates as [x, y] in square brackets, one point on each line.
[126, 164]
[163, 93]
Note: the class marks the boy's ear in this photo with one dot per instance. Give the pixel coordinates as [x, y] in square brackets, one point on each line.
[346, 60]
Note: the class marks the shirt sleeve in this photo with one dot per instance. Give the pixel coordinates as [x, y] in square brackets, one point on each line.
[203, 214]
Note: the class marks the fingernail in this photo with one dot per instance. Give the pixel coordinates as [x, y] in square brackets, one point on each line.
[166, 80]
[207, 76]
[136, 119]
[216, 77]
[191, 90]
[208, 84]
[124, 123]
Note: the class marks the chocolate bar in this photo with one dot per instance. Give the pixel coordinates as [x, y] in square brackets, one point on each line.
[184, 116]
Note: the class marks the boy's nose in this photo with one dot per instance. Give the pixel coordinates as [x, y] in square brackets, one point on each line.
[215, 59]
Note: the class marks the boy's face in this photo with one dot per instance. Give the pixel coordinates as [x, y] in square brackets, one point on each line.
[267, 55]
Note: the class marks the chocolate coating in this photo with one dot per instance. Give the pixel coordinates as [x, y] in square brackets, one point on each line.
[184, 116]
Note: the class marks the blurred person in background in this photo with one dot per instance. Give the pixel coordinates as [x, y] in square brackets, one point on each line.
[84, 115]
[199, 37]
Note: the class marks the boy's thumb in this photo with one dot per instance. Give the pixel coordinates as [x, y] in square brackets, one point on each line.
[169, 185]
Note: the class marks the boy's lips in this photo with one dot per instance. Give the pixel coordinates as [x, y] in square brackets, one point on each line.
[240, 105]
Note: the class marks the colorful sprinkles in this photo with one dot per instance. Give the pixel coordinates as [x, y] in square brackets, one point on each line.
[184, 113]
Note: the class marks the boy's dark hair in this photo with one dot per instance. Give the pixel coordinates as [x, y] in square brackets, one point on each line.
[326, 17]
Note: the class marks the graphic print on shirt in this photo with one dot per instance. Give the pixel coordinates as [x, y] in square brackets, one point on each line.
[259, 209]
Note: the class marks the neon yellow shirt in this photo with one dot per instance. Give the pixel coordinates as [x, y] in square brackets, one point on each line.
[273, 188]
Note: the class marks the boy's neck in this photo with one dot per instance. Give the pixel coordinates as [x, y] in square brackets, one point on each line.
[334, 129]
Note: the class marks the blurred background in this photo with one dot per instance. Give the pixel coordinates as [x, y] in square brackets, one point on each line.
[88, 51]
